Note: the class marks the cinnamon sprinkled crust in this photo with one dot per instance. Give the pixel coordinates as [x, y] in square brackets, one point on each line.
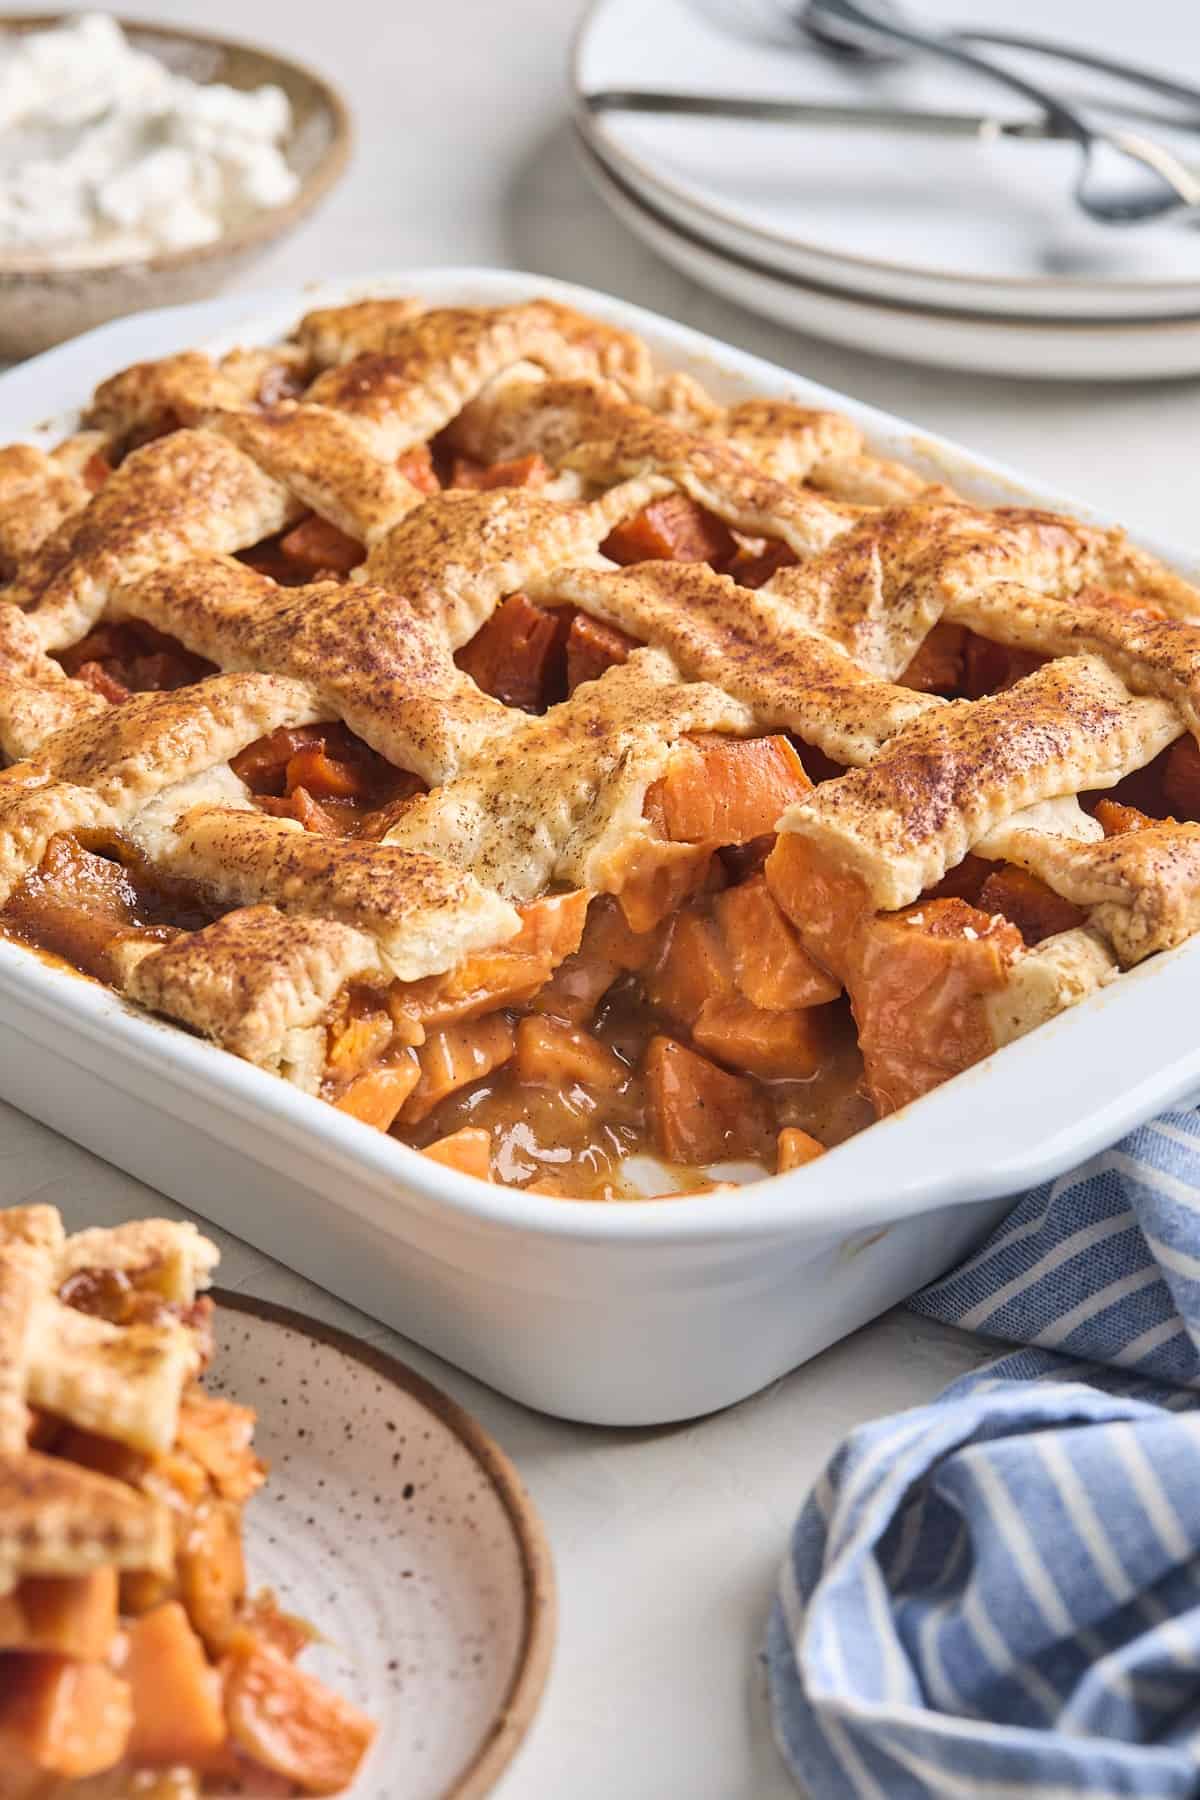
[186, 492]
[36, 698]
[884, 584]
[459, 554]
[594, 430]
[176, 390]
[37, 493]
[1142, 888]
[821, 572]
[102, 770]
[760, 649]
[57, 1518]
[562, 795]
[432, 364]
[324, 459]
[423, 914]
[366, 655]
[252, 978]
[951, 778]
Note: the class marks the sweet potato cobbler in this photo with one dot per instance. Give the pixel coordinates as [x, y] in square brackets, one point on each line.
[498, 737]
[135, 1664]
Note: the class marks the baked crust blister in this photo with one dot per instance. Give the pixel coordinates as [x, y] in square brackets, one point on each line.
[476, 471]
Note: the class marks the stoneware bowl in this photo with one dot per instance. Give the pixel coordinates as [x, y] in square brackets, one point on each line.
[41, 304]
[394, 1523]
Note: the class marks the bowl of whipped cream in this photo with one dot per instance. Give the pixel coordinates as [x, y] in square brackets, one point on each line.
[144, 165]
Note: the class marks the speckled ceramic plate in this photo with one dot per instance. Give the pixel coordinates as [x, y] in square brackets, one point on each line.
[395, 1524]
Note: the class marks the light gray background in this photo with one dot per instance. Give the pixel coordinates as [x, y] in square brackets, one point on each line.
[666, 1541]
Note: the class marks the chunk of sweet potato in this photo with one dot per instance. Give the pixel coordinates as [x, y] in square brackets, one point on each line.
[469, 1151]
[964, 881]
[609, 947]
[695, 968]
[1031, 905]
[723, 790]
[699, 1113]
[557, 1056]
[358, 1044]
[768, 1044]
[96, 471]
[212, 1571]
[654, 878]
[323, 775]
[609, 935]
[262, 765]
[795, 1148]
[592, 647]
[102, 1454]
[177, 1712]
[770, 965]
[291, 1723]
[300, 805]
[416, 465]
[60, 1717]
[378, 1095]
[1116, 818]
[72, 1615]
[827, 905]
[454, 1057]
[317, 545]
[673, 529]
[98, 678]
[919, 986]
[263, 1617]
[508, 975]
[219, 1434]
[753, 568]
[520, 472]
[937, 667]
[515, 655]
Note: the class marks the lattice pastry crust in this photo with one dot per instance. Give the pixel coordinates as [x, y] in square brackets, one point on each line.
[871, 569]
[124, 1383]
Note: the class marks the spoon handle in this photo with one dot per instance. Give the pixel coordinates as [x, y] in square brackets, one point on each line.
[1179, 91]
[1064, 119]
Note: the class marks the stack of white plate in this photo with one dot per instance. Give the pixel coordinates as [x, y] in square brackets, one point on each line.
[964, 253]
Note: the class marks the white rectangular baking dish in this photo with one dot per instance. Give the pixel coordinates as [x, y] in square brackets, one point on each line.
[621, 1314]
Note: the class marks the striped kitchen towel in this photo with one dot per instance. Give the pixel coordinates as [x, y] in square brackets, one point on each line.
[998, 1594]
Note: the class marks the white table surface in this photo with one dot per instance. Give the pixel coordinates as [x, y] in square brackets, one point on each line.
[666, 1541]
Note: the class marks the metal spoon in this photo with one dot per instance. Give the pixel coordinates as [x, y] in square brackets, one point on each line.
[854, 46]
[1103, 189]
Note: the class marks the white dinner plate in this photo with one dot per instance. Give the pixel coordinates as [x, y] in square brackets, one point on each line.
[394, 1524]
[973, 226]
[1095, 350]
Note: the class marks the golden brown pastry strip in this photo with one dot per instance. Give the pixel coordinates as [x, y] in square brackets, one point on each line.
[956, 775]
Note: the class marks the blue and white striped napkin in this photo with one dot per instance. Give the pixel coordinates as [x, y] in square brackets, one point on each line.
[998, 1594]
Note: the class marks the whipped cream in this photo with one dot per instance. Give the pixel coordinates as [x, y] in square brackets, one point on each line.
[105, 154]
